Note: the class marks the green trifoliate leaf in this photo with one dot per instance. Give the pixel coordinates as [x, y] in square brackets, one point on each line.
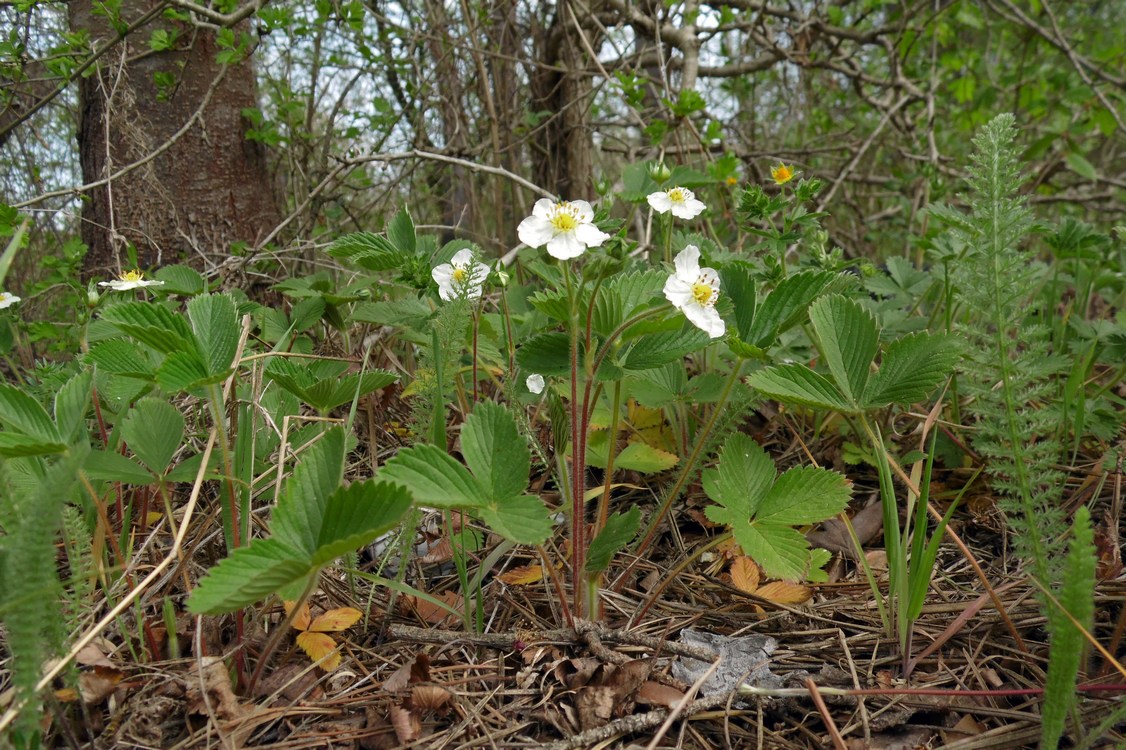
[742, 477]
[656, 349]
[546, 354]
[153, 325]
[215, 326]
[785, 306]
[22, 413]
[357, 515]
[71, 404]
[122, 357]
[804, 494]
[109, 466]
[368, 250]
[301, 508]
[849, 337]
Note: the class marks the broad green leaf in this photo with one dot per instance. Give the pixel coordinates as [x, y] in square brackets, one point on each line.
[248, 575]
[21, 412]
[332, 392]
[110, 466]
[306, 312]
[522, 519]
[434, 478]
[911, 368]
[797, 384]
[849, 337]
[645, 459]
[804, 494]
[1081, 166]
[622, 296]
[356, 515]
[215, 324]
[656, 349]
[153, 325]
[786, 306]
[619, 530]
[553, 304]
[153, 430]
[780, 550]
[742, 477]
[658, 386]
[71, 404]
[301, 508]
[495, 451]
[546, 354]
[401, 232]
[13, 444]
[183, 371]
[180, 279]
[187, 469]
[368, 250]
[122, 357]
[738, 284]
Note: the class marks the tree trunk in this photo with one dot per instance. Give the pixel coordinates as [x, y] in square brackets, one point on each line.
[199, 185]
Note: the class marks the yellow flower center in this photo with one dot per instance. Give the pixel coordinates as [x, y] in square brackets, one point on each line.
[677, 195]
[564, 218]
[131, 276]
[732, 180]
[460, 275]
[703, 293]
[782, 174]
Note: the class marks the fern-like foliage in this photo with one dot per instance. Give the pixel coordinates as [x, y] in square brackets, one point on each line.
[1009, 368]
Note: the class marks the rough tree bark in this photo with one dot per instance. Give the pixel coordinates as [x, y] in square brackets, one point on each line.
[207, 187]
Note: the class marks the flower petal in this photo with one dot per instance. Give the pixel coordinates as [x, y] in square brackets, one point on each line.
[565, 246]
[535, 383]
[678, 291]
[583, 212]
[462, 257]
[535, 231]
[705, 318]
[659, 201]
[687, 263]
[590, 235]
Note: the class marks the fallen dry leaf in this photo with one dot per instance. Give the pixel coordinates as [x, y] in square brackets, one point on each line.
[522, 576]
[610, 692]
[656, 694]
[321, 649]
[415, 671]
[745, 574]
[407, 724]
[335, 620]
[784, 592]
[430, 697]
[432, 613]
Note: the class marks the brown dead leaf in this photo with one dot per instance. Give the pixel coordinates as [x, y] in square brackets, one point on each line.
[785, 592]
[523, 575]
[407, 724]
[610, 692]
[415, 671]
[968, 725]
[321, 649]
[656, 694]
[292, 682]
[98, 684]
[428, 611]
[438, 552]
[575, 673]
[94, 654]
[430, 697]
[744, 574]
[213, 678]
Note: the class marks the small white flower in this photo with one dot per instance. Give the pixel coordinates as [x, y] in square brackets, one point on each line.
[7, 299]
[681, 201]
[566, 227]
[129, 280]
[694, 291]
[462, 275]
[535, 383]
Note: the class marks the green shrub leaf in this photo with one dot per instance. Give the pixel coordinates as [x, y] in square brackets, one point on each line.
[368, 250]
[301, 508]
[522, 519]
[911, 368]
[797, 384]
[153, 325]
[619, 530]
[153, 430]
[21, 412]
[434, 478]
[248, 575]
[849, 337]
[357, 515]
[215, 325]
[495, 451]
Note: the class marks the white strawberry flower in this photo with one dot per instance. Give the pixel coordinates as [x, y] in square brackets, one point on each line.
[694, 291]
[7, 299]
[566, 227]
[681, 201]
[535, 383]
[461, 276]
[130, 280]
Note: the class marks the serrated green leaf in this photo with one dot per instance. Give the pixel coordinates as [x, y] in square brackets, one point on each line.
[434, 478]
[911, 368]
[546, 354]
[785, 306]
[301, 508]
[121, 357]
[645, 459]
[248, 575]
[738, 284]
[153, 325]
[1081, 166]
[619, 531]
[804, 494]
[187, 469]
[554, 304]
[183, 371]
[179, 279]
[849, 337]
[780, 550]
[110, 466]
[656, 349]
[797, 384]
[401, 232]
[21, 412]
[215, 325]
[13, 445]
[495, 451]
[622, 296]
[71, 404]
[368, 250]
[153, 429]
[356, 515]
[305, 313]
[742, 476]
[522, 519]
